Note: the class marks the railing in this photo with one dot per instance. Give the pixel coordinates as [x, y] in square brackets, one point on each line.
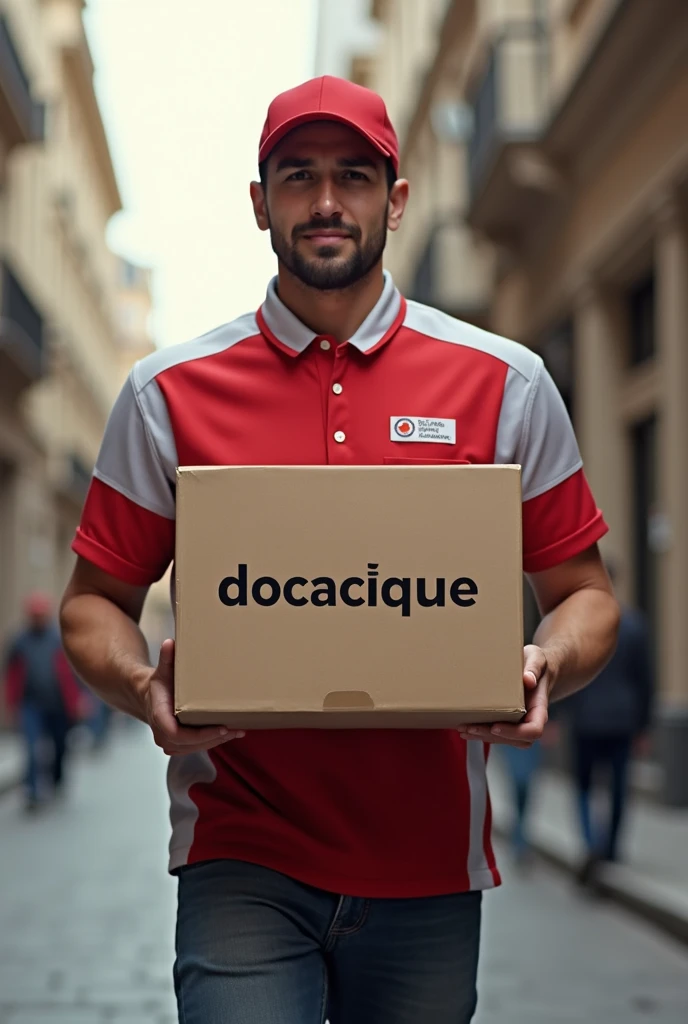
[425, 274]
[485, 121]
[510, 100]
[14, 83]
[452, 273]
[21, 324]
[80, 476]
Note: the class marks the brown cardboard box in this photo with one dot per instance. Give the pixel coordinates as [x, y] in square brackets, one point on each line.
[351, 659]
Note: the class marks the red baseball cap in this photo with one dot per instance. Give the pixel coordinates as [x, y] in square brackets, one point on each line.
[331, 99]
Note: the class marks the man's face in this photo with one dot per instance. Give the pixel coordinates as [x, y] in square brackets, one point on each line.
[326, 203]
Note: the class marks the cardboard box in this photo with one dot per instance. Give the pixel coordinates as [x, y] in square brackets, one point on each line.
[306, 596]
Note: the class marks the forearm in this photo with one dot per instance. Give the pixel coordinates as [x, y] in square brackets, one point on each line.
[107, 650]
[578, 638]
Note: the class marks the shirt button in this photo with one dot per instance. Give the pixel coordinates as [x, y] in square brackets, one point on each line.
[325, 345]
[337, 388]
[339, 436]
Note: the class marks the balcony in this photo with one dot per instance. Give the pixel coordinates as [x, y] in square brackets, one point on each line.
[508, 174]
[75, 479]
[453, 273]
[21, 335]
[638, 50]
[21, 119]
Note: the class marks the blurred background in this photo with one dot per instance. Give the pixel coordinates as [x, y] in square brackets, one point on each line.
[546, 143]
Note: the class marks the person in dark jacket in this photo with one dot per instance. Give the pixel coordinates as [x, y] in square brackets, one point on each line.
[606, 720]
[41, 691]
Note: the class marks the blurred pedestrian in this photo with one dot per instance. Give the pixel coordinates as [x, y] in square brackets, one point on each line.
[522, 768]
[42, 694]
[100, 723]
[608, 721]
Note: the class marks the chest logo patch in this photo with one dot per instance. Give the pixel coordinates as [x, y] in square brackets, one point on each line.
[422, 428]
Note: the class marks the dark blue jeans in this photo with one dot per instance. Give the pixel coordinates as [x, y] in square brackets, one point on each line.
[256, 947]
[593, 753]
[38, 724]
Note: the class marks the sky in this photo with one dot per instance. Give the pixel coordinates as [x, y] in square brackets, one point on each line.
[184, 88]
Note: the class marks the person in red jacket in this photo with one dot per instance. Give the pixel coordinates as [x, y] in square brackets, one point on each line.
[41, 692]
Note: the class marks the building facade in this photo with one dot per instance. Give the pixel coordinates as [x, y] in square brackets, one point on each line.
[65, 298]
[547, 151]
[133, 314]
[346, 39]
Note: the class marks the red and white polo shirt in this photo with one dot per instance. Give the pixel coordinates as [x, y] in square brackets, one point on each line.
[362, 813]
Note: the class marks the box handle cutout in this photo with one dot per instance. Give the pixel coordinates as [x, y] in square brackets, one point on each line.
[346, 700]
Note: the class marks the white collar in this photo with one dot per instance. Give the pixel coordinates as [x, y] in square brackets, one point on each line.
[292, 333]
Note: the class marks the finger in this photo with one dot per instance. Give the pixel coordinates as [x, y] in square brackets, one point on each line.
[179, 749]
[186, 736]
[161, 690]
[529, 730]
[174, 750]
[165, 669]
[160, 695]
[164, 720]
[534, 665]
[161, 685]
[479, 732]
[498, 741]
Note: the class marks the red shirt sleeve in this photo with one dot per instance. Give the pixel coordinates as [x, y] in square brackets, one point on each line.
[560, 523]
[123, 538]
[127, 526]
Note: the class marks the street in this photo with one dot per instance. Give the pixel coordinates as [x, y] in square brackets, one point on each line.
[87, 914]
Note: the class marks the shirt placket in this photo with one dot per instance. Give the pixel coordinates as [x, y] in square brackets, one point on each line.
[337, 434]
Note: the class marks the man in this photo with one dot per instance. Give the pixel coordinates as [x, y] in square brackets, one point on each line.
[606, 720]
[41, 693]
[330, 872]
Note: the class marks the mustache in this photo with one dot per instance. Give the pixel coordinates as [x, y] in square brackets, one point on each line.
[312, 227]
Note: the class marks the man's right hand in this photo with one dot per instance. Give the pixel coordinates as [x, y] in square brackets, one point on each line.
[159, 711]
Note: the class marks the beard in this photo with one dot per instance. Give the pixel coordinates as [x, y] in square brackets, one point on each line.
[328, 271]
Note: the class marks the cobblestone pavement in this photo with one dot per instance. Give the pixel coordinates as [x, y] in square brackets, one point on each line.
[87, 917]
[86, 905]
[550, 956]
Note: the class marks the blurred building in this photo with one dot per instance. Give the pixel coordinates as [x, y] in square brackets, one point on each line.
[134, 311]
[347, 39]
[73, 315]
[547, 151]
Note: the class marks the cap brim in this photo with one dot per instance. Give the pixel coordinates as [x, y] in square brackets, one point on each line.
[317, 115]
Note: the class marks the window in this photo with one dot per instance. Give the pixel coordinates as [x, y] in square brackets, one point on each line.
[17, 306]
[425, 275]
[8, 545]
[644, 444]
[641, 320]
[557, 353]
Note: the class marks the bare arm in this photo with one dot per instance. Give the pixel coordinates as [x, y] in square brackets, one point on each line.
[577, 634]
[99, 617]
[573, 642]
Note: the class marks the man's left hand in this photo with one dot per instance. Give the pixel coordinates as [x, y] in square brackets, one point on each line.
[538, 680]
